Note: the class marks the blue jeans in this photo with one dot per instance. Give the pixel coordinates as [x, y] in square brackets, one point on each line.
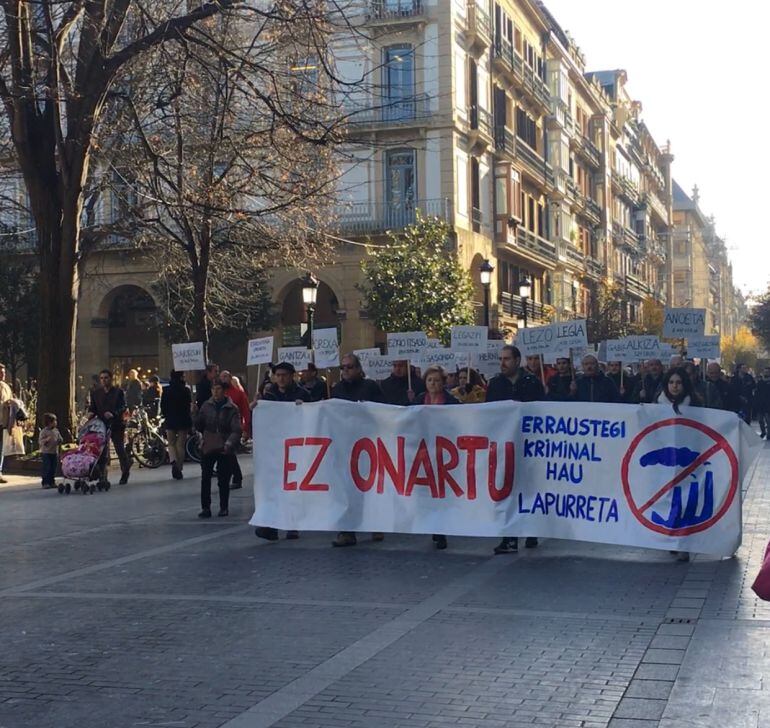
[49, 468]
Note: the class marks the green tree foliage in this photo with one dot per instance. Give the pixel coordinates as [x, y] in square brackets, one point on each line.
[19, 316]
[416, 282]
[740, 349]
[607, 319]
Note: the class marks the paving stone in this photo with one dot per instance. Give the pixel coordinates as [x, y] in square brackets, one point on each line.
[644, 708]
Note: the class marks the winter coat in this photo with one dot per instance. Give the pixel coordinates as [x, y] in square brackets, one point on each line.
[559, 388]
[225, 420]
[630, 387]
[526, 388]
[317, 390]
[650, 386]
[175, 403]
[133, 393]
[292, 393]
[762, 396]
[598, 388]
[202, 391]
[114, 401]
[395, 389]
[358, 390]
[241, 401]
[476, 395]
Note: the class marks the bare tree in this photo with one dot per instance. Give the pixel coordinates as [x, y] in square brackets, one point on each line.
[59, 62]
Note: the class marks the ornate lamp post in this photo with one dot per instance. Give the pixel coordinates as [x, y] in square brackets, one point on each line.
[486, 269]
[309, 296]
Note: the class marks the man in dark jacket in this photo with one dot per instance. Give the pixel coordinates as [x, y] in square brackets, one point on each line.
[284, 389]
[220, 422]
[594, 385]
[558, 388]
[314, 384]
[108, 403]
[719, 392]
[203, 388]
[651, 383]
[175, 406]
[626, 383]
[354, 388]
[519, 385]
[762, 402]
[744, 385]
[395, 388]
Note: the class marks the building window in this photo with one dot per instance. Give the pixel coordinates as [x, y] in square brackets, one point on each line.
[398, 82]
[400, 186]
[526, 128]
[475, 195]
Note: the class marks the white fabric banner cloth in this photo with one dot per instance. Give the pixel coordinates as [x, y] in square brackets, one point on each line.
[636, 475]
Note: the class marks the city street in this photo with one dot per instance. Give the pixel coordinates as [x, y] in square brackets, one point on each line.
[123, 609]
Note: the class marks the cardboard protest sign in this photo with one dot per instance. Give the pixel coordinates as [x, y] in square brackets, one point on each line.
[407, 345]
[378, 367]
[188, 357]
[535, 341]
[704, 347]
[470, 338]
[299, 356]
[681, 323]
[363, 354]
[488, 362]
[618, 350]
[326, 348]
[260, 351]
[445, 358]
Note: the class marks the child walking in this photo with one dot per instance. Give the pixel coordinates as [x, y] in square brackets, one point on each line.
[50, 439]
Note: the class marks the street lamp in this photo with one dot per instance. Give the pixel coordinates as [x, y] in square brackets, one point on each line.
[486, 269]
[525, 291]
[309, 296]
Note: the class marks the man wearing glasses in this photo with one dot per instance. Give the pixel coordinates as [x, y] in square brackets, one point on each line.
[355, 388]
[108, 403]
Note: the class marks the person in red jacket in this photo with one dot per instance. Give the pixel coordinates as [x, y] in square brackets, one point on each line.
[241, 401]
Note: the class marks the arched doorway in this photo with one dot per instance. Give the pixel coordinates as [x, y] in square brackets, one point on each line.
[133, 333]
[294, 315]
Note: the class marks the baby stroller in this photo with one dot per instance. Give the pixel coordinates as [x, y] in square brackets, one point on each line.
[80, 467]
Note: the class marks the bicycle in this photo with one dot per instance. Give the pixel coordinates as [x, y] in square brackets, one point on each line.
[145, 443]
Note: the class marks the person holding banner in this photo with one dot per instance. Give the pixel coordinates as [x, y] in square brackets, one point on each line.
[626, 383]
[593, 385]
[468, 391]
[519, 385]
[220, 422]
[315, 385]
[559, 385]
[651, 383]
[539, 370]
[395, 388]
[354, 387]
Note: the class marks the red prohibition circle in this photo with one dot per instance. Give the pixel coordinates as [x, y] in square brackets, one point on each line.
[719, 440]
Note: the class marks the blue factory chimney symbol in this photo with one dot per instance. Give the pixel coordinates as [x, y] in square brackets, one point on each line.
[679, 517]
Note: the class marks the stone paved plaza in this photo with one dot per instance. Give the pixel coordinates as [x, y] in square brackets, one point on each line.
[122, 609]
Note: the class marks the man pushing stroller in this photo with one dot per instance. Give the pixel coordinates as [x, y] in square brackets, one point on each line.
[108, 403]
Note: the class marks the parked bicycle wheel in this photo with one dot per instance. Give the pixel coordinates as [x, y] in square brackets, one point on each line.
[193, 447]
[148, 450]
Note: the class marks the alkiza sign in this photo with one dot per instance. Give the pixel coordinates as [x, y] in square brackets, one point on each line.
[620, 474]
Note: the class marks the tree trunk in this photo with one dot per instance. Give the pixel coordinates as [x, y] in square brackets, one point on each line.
[200, 330]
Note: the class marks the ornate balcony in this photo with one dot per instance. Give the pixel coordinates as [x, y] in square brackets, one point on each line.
[589, 151]
[636, 287]
[481, 126]
[532, 242]
[510, 305]
[594, 267]
[502, 56]
[368, 218]
[505, 141]
[383, 13]
[479, 27]
[415, 110]
[534, 163]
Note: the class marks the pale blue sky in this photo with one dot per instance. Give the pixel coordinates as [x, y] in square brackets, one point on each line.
[698, 67]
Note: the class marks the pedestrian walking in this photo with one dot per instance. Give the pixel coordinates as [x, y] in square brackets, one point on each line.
[720, 393]
[6, 394]
[744, 385]
[762, 402]
[204, 385]
[519, 385]
[436, 393]
[219, 421]
[355, 388]
[49, 440]
[133, 390]
[241, 401]
[108, 403]
[175, 406]
[677, 390]
[285, 389]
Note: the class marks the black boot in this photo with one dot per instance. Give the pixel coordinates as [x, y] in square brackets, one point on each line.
[530, 543]
[507, 546]
[269, 534]
[440, 541]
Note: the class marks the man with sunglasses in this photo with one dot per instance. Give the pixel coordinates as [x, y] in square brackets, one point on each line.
[108, 403]
[355, 388]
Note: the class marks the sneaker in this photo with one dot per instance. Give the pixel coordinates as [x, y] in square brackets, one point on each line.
[345, 538]
[236, 486]
[530, 543]
[205, 513]
[223, 512]
[378, 536]
[176, 472]
[440, 541]
[292, 535]
[269, 534]
[507, 546]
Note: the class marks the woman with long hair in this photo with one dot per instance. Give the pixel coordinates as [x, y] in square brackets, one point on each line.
[677, 390]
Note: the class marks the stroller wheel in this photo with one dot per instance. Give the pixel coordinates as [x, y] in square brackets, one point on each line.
[77, 485]
[67, 488]
[93, 488]
[99, 487]
[60, 488]
[107, 485]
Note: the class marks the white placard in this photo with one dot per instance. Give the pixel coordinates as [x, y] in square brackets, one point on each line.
[488, 362]
[681, 323]
[617, 350]
[569, 334]
[188, 357]
[433, 344]
[378, 367]
[444, 358]
[299, 356]
[535, 341]
[407, 345]
[326, 348]
[470, 338]
[364, 354]
[704, 347]
[260, 351]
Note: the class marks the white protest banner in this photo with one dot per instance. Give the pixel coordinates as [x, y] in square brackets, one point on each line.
[378, 367]
[488, 362]
[444, 358]
[326, 348]
[681, 323]
[470, 338]
[535, 341]
[618, 350]
[407, 345]
[632, 475]
[188, 357]
[260, 351]
[299, 356]
[704, 347]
